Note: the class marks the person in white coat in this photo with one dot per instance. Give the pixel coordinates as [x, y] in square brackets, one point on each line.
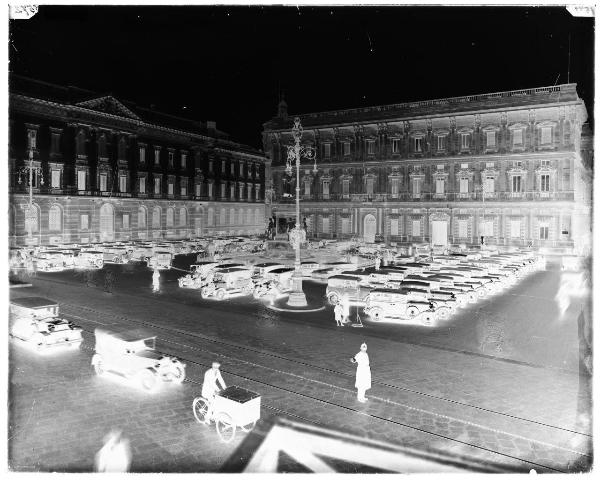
[156, 280]
[338, 311]
[115, 455]
[363, 373]
[210, 387]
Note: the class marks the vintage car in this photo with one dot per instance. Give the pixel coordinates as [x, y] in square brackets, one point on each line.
[228, 282]
[322, 274]
[259, 270]
[142, 252]
[35, 320]
[444, 300]
[463, 279]
[132, 354]
[161, 260]
[116, 254]
[349, 287]
[199, 276]
[69, 256]
[49, 261]
[265, 288]
[308, 268]
[89, 259]
[282, 277]
[387, 304]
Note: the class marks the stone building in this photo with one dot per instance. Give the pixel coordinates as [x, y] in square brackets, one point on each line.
[514, 167]
[109, 170]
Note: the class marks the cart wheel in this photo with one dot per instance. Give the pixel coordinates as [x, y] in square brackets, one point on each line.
[250, 426]
[200, 409]
[177, 375]
[225, 427]
[147, 380]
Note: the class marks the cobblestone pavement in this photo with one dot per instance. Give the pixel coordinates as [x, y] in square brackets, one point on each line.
[511, 414]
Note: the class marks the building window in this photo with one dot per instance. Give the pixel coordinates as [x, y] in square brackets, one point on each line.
[170, 188]
[395, 187]
[545, 163]
[326, 188]
[441, 142]
[544, 183]
[464, 185]
[517, 138]
[142, 155]
[515, 228]
[307, 187]
[241, 192]
[210, 190]
[418, 144]
[439, 186]
[125, 221]
[183, 187]
[394, 231]
[232, 216]
[141, 217]
[222, 216]
[210, 166]
[157, 186]
[54, 219]
[516, 183]
[370, 183]
[157, 156]
[416, 228]
[250, 192]
[232, 191]
[345, 225]
[463, 229]
[370, 147]
[103, 181]
[346, 148]
[171, 161]
[122, 149]
[327, 150]
[198, 188]
[32, 139]
[489, 165]
[211, 217]
[464, 166]
[257, 192]
[325, 228]
[546, 135]
[396, 145]
[464, 141]
[183, 160]
[122, 183]
[346, 187]
[416, 186]
[85, 222]
[544, 233]
[170, 215]
[81, 180]
[80, 144]
[490, 139]
[55, 179]
[488, 185]
[182, 217]
[55, 143]
[241, 169]
[156, 218]
[142, 188]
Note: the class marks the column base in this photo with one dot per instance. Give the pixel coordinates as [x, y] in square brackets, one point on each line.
[297, 299]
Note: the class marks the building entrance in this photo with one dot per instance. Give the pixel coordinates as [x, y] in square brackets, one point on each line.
[439, 232]
[369, 228]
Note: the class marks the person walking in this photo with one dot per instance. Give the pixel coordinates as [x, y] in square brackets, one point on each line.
[156, 280]
[338, 311]
[377, 262]
[363, 373]
[115, 455]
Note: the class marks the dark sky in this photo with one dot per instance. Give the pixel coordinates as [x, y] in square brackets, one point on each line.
[228, 63]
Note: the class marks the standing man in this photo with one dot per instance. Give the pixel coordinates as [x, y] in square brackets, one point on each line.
[363, 373]
[377, 261]
[339, 314]
[155, 280]
[210, 387]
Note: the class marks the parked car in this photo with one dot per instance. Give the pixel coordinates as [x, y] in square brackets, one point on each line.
[200, 276]
[260, 269]
[35, 320]
[89, 259]
[387, 304]
[49, 261]
[229, 282]
[132, 354]
[308, 268]
[161, 260]
[282, 277]
[346, 286]
[265, 288]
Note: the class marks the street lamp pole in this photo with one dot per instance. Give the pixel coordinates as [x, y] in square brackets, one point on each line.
[29, 212]
[297, 297]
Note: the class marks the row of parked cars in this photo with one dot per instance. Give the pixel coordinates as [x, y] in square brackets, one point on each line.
[432, 288]
[131, 354]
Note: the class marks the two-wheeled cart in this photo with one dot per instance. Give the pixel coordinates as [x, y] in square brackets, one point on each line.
[233, 407]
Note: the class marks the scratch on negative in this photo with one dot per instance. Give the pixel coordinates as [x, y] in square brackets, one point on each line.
[28, 419]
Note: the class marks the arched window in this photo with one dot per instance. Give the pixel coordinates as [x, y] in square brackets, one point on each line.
[55, 219]
[142, 215]
[170, 215]
[182, 217]
[32, 219]
[156, 217]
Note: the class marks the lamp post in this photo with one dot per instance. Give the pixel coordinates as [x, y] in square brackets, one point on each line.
[482, 189]
[30, 214]
[297, 297]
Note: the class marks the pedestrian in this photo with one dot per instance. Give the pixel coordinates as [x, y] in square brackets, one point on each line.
[346, 308]
[115, 455]
[377, 262]
[338, 311]
[363, 373]
[210, 388]
[109, 279]
[155, 280]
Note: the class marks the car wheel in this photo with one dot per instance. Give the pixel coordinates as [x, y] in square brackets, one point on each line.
[177, 375]
[38, 341]
[427, 318]
[333, 298]
[147, 380]
[247, 428]
[220, 294]
[443, 313]
[200, 409]
[376, 314]
[204, 292]
[225, 427]
[412, 311]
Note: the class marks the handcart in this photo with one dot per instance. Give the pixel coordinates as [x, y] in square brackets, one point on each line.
[233, 407]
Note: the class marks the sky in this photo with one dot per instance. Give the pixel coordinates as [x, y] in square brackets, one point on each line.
[229, 64]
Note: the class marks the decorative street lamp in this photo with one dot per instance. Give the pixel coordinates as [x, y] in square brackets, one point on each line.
[297, 297]
[483, 228]
[30, 213]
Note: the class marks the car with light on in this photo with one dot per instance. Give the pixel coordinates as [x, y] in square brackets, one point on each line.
[132, 354]
[35, 320]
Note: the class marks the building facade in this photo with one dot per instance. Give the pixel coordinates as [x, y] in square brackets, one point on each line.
[513, 167]
[107, 170]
